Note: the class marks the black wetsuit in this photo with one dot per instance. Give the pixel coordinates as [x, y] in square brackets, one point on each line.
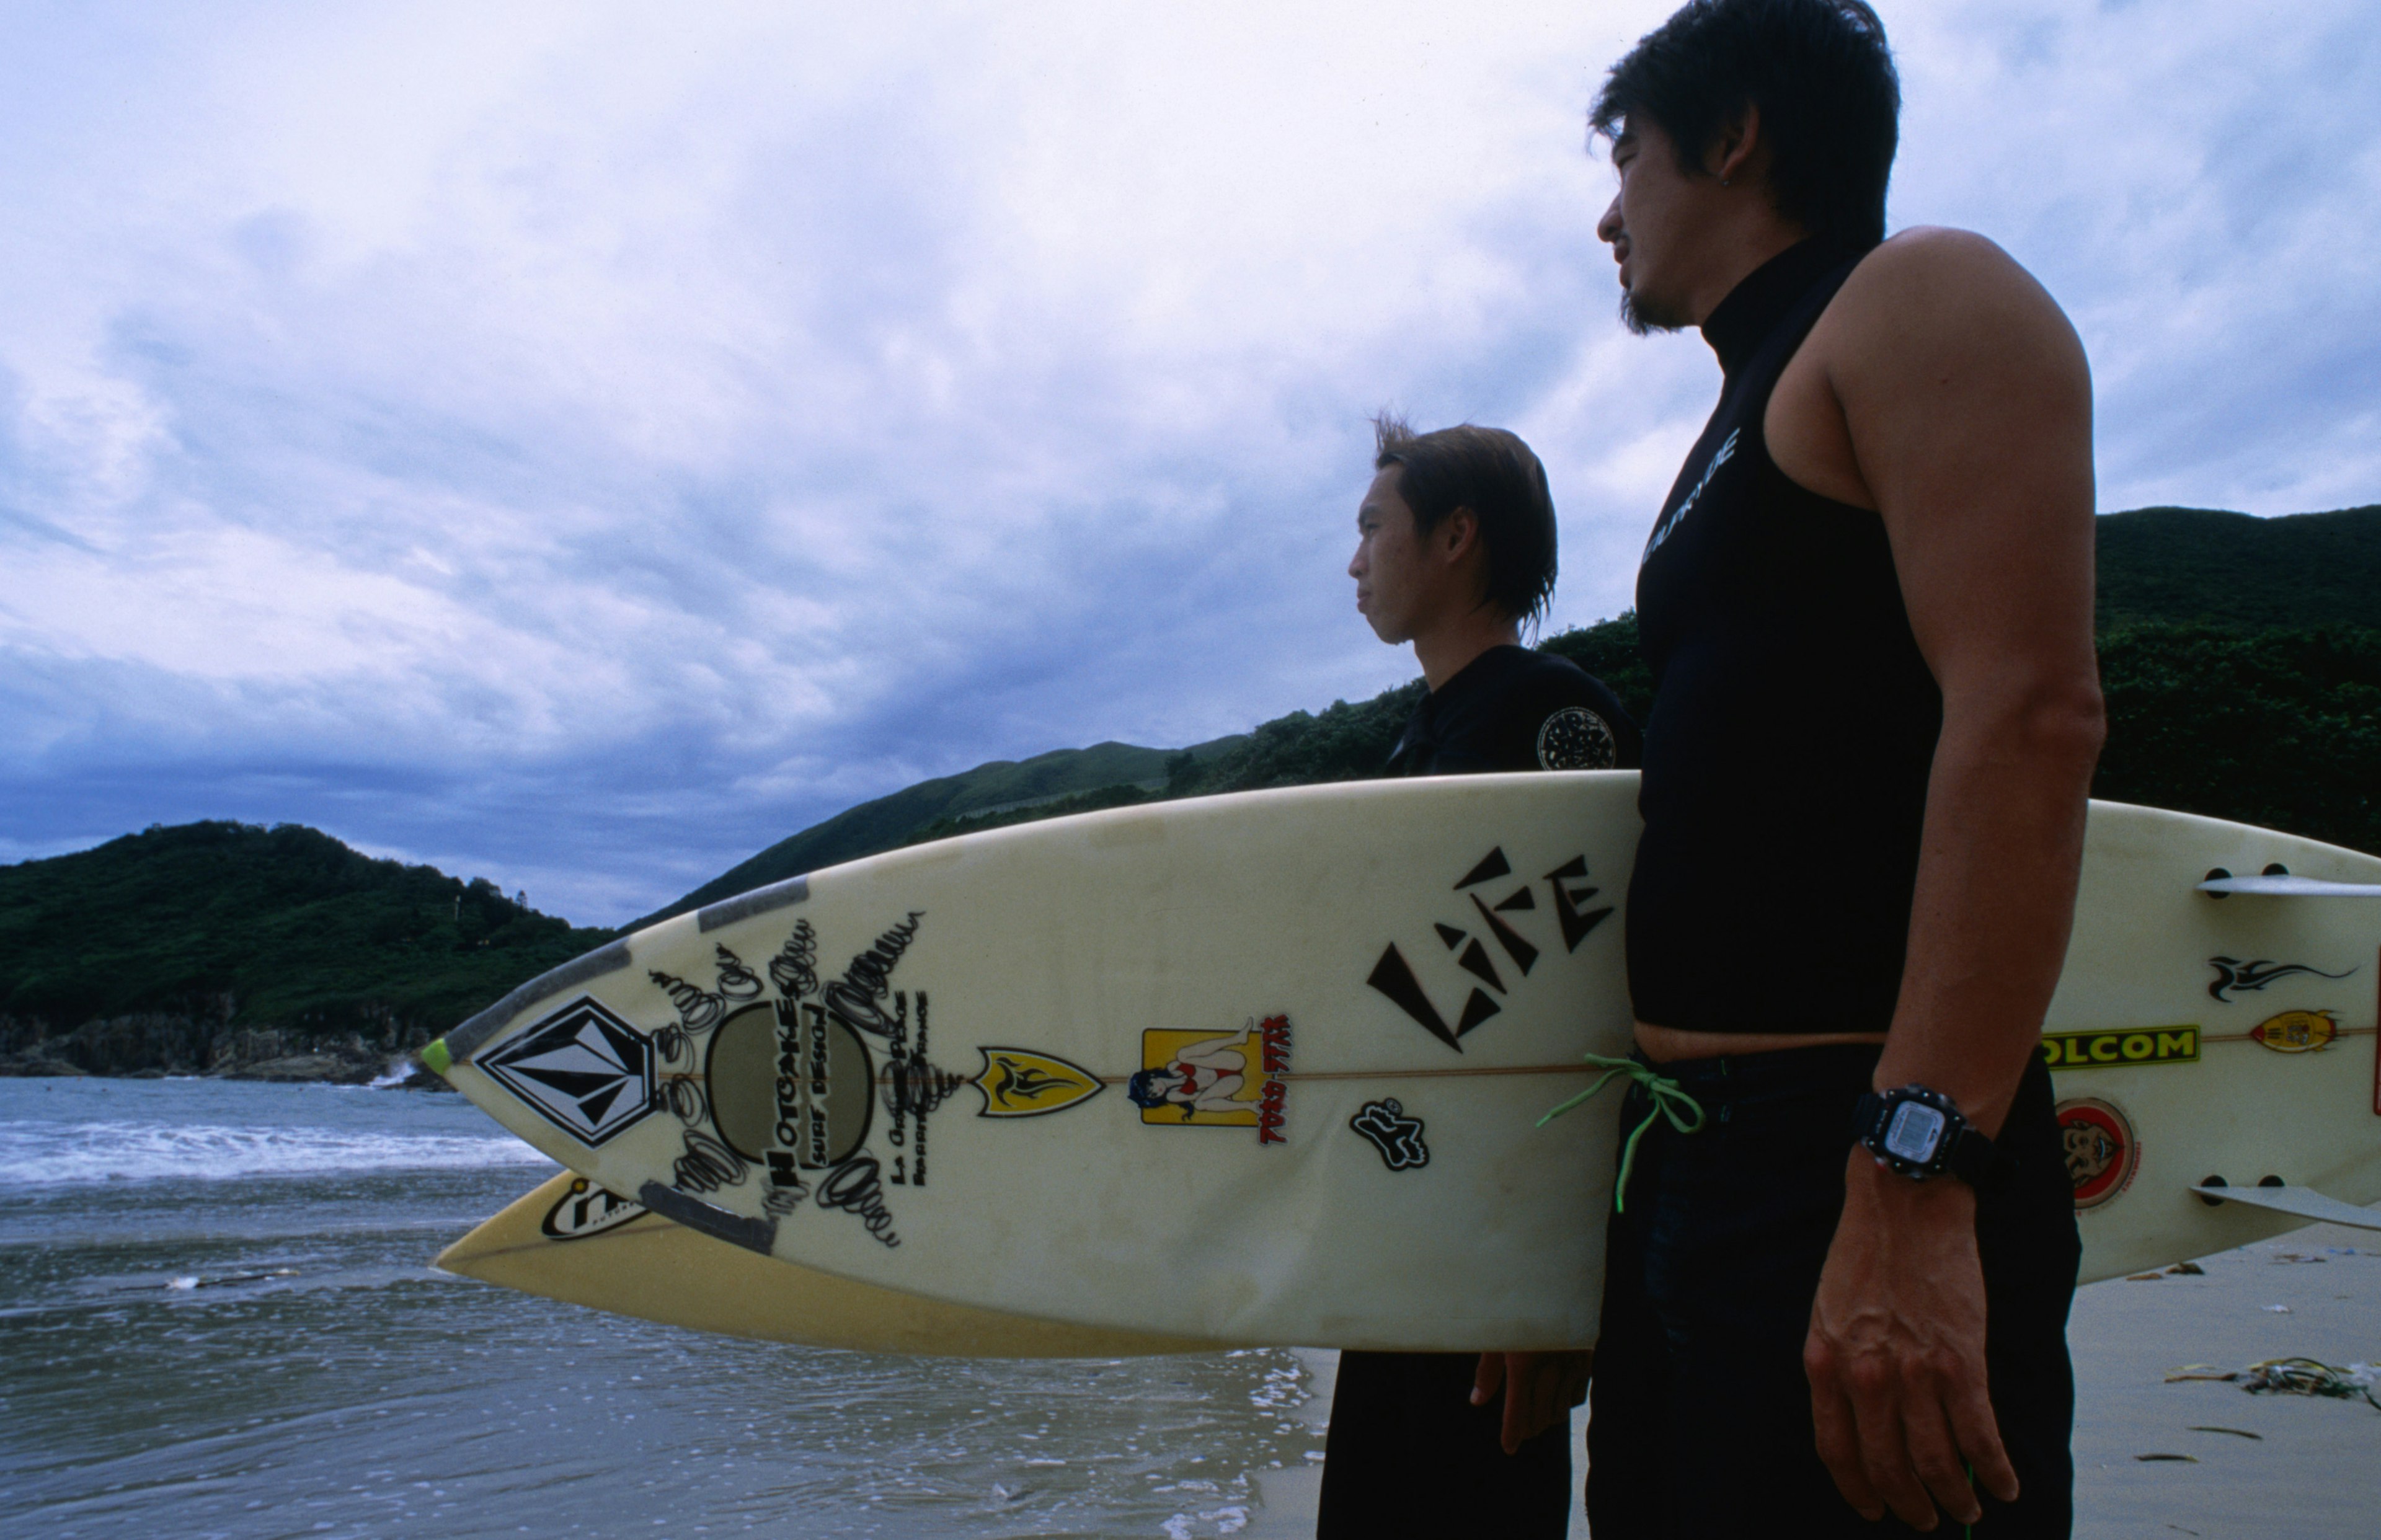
[1408, 1454]
[1786, 773]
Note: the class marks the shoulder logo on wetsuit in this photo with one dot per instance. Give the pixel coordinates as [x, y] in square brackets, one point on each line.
[1576, 738]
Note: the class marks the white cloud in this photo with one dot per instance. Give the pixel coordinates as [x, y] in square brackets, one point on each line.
[589, 442]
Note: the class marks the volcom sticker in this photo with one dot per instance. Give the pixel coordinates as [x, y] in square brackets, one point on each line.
[582, 1068]
[1216, 1080]
[2102, 1151]
[587, 1209]
[2297, 1032]
[1395, 1135]
[2102, 1050]
[2232, 974]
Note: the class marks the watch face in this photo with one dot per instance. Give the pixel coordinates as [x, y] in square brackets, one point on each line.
[1914, 1133]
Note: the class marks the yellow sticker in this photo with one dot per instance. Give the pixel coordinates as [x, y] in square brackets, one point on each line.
[1226, 1079]
[2106, 1050]
[2297, 1032]
[1019, 1082]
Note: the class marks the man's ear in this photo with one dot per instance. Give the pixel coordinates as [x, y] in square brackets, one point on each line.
[1456, 534]
[1736, 143]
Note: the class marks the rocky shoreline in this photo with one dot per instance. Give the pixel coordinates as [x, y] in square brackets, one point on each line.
[158, 1046]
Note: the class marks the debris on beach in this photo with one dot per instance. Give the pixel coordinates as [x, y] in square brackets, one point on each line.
[2293, 1376]
[2186, 1459]
[2237, 1433]
[2179, 1270]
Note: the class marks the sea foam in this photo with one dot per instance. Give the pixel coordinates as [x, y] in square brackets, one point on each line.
[57, 1154]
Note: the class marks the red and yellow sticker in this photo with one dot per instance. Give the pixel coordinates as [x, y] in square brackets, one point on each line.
[2297, 1032]
[2103, 1152]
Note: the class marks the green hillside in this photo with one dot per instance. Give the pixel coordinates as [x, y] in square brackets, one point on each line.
[2196, 565]
[215, 927]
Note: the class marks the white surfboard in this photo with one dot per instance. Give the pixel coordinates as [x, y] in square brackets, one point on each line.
[569, 1240]
[1354, 958]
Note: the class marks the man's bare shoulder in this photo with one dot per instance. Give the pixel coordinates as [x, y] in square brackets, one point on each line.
[1933, 300]
[1935, 284]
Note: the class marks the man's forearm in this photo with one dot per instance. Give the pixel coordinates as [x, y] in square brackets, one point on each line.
[1998, 862]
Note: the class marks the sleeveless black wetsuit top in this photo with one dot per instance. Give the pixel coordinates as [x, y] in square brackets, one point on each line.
[1794, 720]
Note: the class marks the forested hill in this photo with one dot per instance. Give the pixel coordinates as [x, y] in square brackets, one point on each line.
[2199, 565]
[216, 944]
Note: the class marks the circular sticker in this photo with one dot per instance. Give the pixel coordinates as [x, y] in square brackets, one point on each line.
[2102, 1151]
[1576, 738]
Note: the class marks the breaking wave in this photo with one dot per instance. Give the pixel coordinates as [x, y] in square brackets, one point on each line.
[50, 1155]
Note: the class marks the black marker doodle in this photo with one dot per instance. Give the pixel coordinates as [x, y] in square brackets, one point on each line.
[2233, 973]
[736, 981]
[795, 968]
[853, 997]
[684, 1097]
[707, 1166]
[1395, 1135]
[698, 1010]
[854, 1188]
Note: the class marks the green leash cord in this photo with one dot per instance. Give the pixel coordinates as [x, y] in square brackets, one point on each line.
[1669, 1101]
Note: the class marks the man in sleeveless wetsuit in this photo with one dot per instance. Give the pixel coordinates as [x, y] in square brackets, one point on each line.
[1456, 549]
[1867, 604]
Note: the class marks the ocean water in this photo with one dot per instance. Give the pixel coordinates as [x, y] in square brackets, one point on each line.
[218, 1318]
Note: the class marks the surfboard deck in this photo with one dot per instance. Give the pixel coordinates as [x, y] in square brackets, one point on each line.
[1269, 1214]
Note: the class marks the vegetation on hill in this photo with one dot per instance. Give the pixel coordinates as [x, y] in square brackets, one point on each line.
[2196, 565]
[210, 930]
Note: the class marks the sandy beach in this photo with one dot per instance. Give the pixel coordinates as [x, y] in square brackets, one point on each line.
[2253, 1467]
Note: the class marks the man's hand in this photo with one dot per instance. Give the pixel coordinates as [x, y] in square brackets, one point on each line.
[1895, 1353]
[1540, 1389]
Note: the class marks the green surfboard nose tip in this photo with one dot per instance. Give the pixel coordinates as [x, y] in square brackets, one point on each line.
[437, 1058]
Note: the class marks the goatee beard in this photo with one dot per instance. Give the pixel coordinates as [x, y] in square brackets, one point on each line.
[1644, 319]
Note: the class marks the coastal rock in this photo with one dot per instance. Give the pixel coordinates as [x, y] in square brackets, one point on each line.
[36, 1066]
[332, 1069]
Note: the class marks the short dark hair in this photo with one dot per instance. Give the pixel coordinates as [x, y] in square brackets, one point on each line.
[1822, 76]
[1493, 473]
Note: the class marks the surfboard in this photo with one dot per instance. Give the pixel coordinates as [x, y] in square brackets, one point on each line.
[1041, 1024]
[568, 1239]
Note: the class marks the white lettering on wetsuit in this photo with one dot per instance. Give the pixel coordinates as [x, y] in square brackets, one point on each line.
[1662, 530]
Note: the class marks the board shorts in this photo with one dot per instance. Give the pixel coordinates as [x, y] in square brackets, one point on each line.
[1700, 1411]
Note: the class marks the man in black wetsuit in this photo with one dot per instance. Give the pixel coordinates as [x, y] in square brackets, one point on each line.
[1455, 551]
[1867, 604]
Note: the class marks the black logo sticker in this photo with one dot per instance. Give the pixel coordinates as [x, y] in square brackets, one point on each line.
[586, 1209]
[582, 1068]
[2231, 974]
[1396, 1136]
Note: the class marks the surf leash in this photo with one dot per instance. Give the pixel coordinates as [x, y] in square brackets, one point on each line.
[1670, 1100]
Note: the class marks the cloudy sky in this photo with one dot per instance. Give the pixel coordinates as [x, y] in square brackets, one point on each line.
[580, 445]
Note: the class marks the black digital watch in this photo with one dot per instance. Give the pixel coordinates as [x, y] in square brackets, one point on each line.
[1919, 1133]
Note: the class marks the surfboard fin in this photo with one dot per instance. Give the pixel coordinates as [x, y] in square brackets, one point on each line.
[2282, 886]
[2303, 1202]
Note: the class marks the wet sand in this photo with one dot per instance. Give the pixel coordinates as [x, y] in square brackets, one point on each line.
[2313, 1468]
